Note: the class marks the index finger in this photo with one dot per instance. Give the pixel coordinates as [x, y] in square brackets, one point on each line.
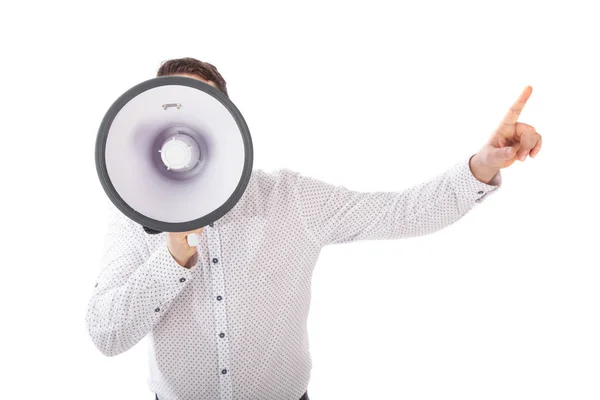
[512, 116]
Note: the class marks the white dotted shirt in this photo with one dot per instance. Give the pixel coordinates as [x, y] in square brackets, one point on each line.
[234, 325]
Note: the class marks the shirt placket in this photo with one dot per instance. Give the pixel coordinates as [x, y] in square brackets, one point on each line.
[220, 312]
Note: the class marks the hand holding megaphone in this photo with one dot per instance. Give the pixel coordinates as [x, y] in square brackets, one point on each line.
[182, 245]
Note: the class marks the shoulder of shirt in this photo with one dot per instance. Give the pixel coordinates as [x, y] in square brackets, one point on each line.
[280, 180]
[275, 172]
[116, 216]
[275, 175]
[286, 177]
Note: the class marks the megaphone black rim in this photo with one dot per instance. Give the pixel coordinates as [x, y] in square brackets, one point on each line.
[143, 219]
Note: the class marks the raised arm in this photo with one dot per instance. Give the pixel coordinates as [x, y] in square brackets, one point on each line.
[335, 214]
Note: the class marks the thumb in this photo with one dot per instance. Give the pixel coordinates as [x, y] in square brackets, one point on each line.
[502, 154]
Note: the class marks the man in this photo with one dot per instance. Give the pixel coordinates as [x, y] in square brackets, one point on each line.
[227, 320]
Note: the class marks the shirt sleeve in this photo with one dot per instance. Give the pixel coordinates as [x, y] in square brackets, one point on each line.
[135, 286]
[334, 214]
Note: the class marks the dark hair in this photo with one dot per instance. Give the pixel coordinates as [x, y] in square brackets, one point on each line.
[190, 65]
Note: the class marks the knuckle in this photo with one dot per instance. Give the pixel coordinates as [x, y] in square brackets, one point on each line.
[525, 127]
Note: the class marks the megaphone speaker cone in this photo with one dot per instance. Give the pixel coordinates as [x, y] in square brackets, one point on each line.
[173, 154]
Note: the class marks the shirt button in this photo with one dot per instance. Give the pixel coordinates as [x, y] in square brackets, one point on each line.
[182, 280]
[219, 298]
[215, 260]
[156, 309]
[480, 192]
[224, 371]
[221, 335]
[211, 224]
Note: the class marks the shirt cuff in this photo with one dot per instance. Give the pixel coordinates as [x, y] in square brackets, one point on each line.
[468, 188]
[167, 274]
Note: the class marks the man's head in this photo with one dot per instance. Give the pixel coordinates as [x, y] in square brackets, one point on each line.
[192, 68]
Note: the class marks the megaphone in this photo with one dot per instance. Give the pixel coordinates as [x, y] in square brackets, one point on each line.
[174, 154]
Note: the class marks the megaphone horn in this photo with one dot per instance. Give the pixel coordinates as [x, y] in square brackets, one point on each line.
[173, 154]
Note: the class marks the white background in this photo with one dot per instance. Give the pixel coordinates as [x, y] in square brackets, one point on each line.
[372, 95]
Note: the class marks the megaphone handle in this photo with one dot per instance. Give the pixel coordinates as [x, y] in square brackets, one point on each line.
[193, 239]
